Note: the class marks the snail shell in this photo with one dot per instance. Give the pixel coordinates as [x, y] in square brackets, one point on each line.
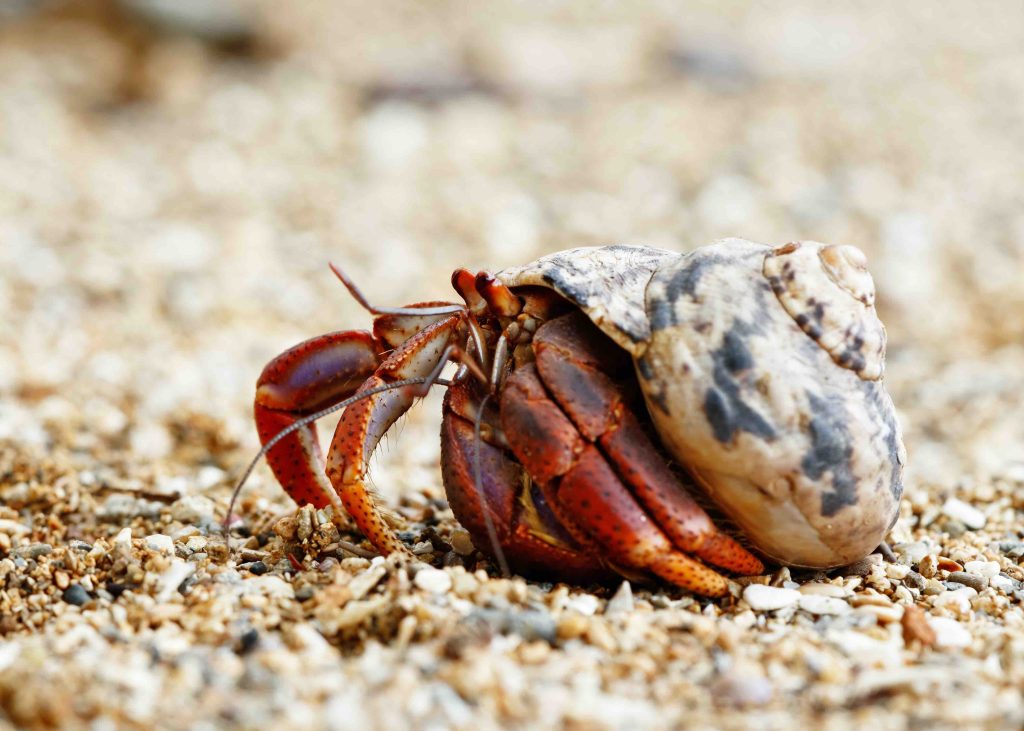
[797, 442]
[762, 373]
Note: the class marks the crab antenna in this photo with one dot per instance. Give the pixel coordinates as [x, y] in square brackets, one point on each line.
[492, 534]
[426, 380]
[359, 297]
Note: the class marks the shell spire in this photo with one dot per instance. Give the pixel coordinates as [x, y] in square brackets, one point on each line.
[829, 292]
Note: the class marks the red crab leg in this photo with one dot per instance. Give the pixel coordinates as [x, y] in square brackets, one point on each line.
[312, 375]
[364, 423]
[587, 490]
[571, 362]
[530, 535]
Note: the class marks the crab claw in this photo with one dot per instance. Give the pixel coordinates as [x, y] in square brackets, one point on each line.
[316, 373]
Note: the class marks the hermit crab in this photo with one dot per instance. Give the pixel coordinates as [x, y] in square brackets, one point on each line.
[601, 395]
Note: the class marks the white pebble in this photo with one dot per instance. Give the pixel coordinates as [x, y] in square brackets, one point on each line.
[123, 542]
[912, 552]
[268, 585]
[959, 600]
[171, 579]
[193, 509]
[1001, 583]
[763, 598]
[159, 542]
[822, 589]
[948, 632]
[585, 604]
[966, 514]
[209, 476]
[897, 571]
[622, 602]
[433, 580]
[984, 569]
[818, 604]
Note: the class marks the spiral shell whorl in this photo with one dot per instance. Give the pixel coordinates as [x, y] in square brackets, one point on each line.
[830, 294]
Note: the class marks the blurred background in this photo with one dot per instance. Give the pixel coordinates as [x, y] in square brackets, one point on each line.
[175, 176]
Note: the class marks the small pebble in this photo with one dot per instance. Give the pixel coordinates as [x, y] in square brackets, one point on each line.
[823, 589]
[531, 625]
[76, 595]
[928, 566]
[817, 604]
[743, 689]
[13, 527]
[984, 569]
[912, 553]
[433, 580]
[954, 528]
[903, 595]
[914, 580]
[123, 542]
[622, 602]
[248, 641]
[870, 598]
[571, 625]
[959, 600]
[1013, 549]
[769, 598]
[864, 567]
[1002, 583]
[194, 509]
[882, 615]
[950, 633]
[258, 567]
[585, 604]
[159, 542]
[304, 527]
[171, 579]
[34, 550]
[970, 516]
[462, 543]
[896, 571]
[962, 577]
[916, 627]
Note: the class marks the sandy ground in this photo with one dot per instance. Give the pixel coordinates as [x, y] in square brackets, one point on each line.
[168, 203]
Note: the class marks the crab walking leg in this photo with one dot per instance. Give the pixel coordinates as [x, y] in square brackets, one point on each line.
[364, 423]
[305, 378]
[589, 494]
[528, 532]
[569, 361]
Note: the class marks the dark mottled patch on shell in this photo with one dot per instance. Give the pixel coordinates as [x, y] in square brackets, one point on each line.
[652, 389]
[884, 414]
[724, 406]
[682, 283]
[831, 450]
